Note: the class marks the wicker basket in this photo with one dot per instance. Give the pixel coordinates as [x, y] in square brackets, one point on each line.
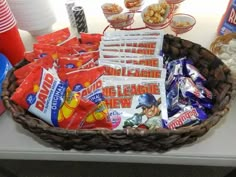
[159, 140]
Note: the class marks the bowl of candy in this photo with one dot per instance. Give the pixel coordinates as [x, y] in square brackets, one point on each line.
[157, 16]
[182, 23]
[133, 5]
[111, 9]
[122, 20]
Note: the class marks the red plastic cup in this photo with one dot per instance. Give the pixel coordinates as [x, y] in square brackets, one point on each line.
[11, 44]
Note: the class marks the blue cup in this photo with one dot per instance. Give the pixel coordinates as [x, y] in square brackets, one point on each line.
[5, 66]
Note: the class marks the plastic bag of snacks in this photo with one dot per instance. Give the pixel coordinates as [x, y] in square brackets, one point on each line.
[50, 98]
[134, 89]
[135, 102]
[187, 97]
[123, 69]
[23, 72]
[148, 43]
[155, 61]
[88, 83]
[54, 38]
[46, 96]
[131, 35]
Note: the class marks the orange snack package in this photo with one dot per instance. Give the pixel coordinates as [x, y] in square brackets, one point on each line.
[30, 56]
[89, 64]
[54, 38]
[87, 38]
[70, 42]
[75, 61]
[42, 50]
[52, 100]
[88, 83]
[82, 48]
[23, 72]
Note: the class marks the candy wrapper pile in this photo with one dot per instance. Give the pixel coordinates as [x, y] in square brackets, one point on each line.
[114, 81]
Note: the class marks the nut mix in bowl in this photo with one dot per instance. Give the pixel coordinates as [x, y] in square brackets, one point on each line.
[119, 21]
[157, 16]
[111, 9]
[133, 5]
[182, 23]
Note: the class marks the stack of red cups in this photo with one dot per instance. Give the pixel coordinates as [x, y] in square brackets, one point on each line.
[11, 44]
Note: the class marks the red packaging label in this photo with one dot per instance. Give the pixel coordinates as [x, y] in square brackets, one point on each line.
[23, 72]
[42, 50]
[122, 69]
[88, 84]
[54, 38]
[70, 42]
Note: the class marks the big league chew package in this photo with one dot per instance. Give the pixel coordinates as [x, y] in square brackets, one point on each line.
[134, 79]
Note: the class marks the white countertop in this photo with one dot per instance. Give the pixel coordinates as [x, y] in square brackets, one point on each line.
[216, 148]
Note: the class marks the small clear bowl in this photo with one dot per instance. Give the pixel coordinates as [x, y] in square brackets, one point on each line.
[133, 5]
[122, 20]
[174, 1]
[182, 23]
[111, 9]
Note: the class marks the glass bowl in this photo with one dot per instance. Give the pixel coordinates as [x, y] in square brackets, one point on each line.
[122, 20]
[157, 16]
[133, 5]
[182, 23]
[111, 9]
[174, 1]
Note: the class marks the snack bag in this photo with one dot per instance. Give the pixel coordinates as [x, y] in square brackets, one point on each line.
[23, 72]
[118, 54]
[54, 38]
[131, 50]
[155, 44]
[87, 38]
[83, 48]
[130, 43]
[88, 65]
[76, 61]
[228, 21]
[155, 61]
[187, 98]
[88, 84]
[30, 56]
[130, 70]
[130, 35]
[70, 42]
[42, 50]
[52, 100]
[186, 116]
[95, 54]
[135, 102]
